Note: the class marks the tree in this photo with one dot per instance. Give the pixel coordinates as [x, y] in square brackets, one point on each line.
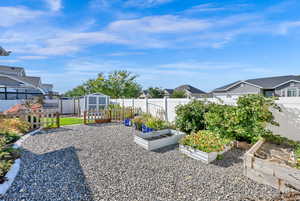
[77, 91]
[178, 94]
[156, 92]
[118, 84]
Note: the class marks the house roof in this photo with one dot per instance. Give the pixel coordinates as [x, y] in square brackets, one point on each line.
[265, 83]
[11, 68]
[191, 89]
[170, 91]
[35, 81]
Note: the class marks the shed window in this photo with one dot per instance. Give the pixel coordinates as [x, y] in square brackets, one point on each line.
[93, 100]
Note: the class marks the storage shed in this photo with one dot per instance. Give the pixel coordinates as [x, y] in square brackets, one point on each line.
[95, 102]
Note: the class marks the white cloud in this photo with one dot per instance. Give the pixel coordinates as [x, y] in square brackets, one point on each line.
[159, 24]
[120, 54]
[5, 61]
[32, 57]
[285, 27]
[13, 15]
[145, 3]
[54, 5]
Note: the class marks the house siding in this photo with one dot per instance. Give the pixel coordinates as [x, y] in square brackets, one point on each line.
[240, 89]
[285, 87]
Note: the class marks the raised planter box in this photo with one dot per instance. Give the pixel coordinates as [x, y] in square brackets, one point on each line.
[154, 133]
[283, 178]
[101, 121]
[159, 139]
[201, 155]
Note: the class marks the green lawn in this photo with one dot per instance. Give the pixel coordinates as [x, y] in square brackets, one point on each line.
[70, 121]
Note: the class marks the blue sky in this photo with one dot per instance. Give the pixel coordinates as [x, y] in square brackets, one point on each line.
[166, 42]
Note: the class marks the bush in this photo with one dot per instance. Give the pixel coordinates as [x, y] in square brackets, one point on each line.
[14, 125]
[190, 117]
[246, 122]
[206, 141]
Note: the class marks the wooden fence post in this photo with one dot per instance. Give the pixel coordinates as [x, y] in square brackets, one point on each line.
[84, 117]
[57, 120]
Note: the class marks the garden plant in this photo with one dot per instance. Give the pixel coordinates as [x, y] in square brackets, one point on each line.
[10, 131]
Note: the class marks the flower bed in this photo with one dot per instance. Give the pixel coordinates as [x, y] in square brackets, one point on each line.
[274, 161]
[205, 146]
[9, 133]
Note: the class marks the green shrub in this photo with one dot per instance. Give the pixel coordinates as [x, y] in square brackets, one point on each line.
[9, 137]
[156, 124]
[206, 141]
[190, 117]
[246, 122]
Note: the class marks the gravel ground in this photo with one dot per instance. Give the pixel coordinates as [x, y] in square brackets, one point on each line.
[103, 163]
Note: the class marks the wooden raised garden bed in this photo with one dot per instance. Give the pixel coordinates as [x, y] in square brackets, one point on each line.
[158, 139]
[201, 155]
[271, 170]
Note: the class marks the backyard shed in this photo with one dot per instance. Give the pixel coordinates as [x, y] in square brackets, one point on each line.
[96, 102]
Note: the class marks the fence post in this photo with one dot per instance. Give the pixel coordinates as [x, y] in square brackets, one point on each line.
[123, 109]
[57, 120]
[147, 105]
[166, 108]
[84, 117]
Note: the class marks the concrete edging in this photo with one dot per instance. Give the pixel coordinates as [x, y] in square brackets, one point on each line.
[14, 170]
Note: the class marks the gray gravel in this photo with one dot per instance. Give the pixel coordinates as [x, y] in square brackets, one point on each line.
[103, 163]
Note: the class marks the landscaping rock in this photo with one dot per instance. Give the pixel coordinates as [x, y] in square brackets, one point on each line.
[102, 162]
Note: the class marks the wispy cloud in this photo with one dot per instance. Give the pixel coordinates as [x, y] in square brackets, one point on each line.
[54, 5]
[145, 3]
[121, 54]
[32, 57]
[11, 16]
[285, 27]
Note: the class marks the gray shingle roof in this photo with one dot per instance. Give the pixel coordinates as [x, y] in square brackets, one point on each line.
[11, 68]
[35, 81]
[190, 89]
[265, 83]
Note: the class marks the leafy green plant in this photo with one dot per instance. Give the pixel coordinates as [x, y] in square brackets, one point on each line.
[245, 122]
[190, 117]
[156, 124]
[178, 94]
[206, 141]
[10, 137]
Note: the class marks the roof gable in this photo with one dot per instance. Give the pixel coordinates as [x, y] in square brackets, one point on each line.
[265, 83]
[191, 89]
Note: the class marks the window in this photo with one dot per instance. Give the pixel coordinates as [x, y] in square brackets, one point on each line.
[292, 92]
[93, 100]
[269, 93]
[242, 85]
[102, 100]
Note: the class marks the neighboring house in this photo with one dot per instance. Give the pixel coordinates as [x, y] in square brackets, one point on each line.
[144, 94]
[191, 92]
[15, 84]
[283, 86]
[168, 92]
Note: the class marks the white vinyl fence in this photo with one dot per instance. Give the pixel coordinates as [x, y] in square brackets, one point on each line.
[289, 118]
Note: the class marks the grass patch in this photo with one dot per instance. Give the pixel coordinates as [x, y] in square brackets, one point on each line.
[70, 121]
